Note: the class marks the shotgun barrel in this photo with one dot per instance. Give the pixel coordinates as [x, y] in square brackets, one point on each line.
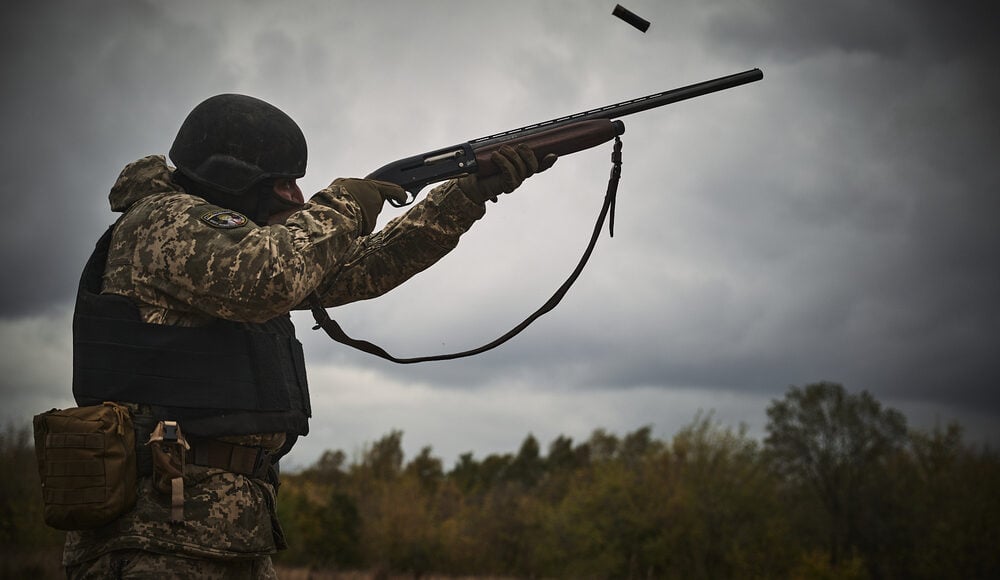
[561, 136]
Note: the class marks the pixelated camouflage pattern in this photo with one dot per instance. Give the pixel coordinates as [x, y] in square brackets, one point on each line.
[225, 516]
[183, 269]
[139, 564]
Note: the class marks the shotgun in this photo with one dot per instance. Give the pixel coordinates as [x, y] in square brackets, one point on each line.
[560, 136]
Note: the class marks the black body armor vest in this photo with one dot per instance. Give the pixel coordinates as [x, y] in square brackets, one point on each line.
[227, 378]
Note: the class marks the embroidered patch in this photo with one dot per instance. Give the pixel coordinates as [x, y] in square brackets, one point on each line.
[225, 219]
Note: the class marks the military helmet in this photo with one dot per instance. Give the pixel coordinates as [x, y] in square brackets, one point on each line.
[231, 142]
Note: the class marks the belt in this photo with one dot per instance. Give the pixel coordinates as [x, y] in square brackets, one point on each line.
[242, 459]
[251, 461]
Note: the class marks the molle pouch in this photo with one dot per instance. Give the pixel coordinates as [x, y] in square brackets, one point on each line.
[169, 450]
[86, 461]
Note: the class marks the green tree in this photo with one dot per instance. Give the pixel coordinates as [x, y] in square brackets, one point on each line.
[527, 466]
[325, 531]
[427, 469]
[840, 446]
[723, 518]
[329, 468]
[956, 507]
[636, 445]
[28, 547]
[562, 466]
[493, 470]
[561, 456]
[384, 459]
[592, 532]
[465, 474]
[602, 446]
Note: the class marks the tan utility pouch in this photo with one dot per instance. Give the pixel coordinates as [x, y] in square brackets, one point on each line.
[86, 460]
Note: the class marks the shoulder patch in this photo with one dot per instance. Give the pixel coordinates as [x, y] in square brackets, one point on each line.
[225, 219]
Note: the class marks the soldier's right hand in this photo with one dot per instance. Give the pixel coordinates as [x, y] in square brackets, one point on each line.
[370, 195]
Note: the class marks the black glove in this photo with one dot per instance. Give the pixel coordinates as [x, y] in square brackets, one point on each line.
[370, 195]
[515, 163]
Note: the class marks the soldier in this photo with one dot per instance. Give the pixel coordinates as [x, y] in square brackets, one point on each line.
[182, 315]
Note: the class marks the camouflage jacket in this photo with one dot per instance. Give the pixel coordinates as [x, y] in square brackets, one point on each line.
[182, 266]
[184, 261]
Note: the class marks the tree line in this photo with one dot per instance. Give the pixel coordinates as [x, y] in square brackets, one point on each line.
[840, 487]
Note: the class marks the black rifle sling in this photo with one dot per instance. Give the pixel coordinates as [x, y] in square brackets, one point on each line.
[335, 332]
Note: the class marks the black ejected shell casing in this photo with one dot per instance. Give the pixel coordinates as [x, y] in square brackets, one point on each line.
[628, 16]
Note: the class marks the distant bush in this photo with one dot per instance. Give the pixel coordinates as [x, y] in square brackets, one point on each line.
[28, 548]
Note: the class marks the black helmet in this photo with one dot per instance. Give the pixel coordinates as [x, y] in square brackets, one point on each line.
[229, 143]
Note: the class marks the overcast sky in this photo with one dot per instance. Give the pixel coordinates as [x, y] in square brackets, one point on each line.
[836, 221]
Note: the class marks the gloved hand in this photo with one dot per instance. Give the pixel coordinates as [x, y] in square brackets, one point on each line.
[515, 163]
[370, 195]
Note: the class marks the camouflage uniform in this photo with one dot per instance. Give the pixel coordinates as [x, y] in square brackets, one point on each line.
[184, 262]
[138, 564]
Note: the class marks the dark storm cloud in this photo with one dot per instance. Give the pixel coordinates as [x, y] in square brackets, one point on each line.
[860, 245]
[87, 86]
[913, 87]
[835, 221]
[789, 30]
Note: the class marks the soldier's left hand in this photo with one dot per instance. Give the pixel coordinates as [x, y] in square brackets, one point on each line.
[515, 164]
